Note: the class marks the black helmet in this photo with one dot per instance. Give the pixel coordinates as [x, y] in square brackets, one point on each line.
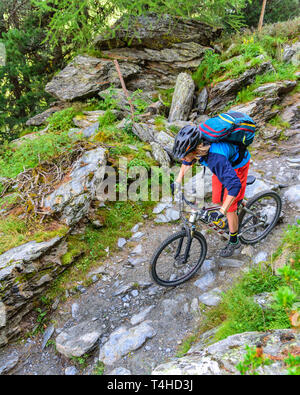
[186, 141]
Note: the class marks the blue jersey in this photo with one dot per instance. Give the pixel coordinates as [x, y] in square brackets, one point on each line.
[219, 160]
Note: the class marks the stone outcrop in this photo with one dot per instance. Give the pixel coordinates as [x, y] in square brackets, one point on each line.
[71, 200]
[262, 108]
[25, 274]
[225, 91]
[156, 33]
[159, 49]
[222, 357]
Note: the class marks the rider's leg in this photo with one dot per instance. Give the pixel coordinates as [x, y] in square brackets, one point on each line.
[233, 221]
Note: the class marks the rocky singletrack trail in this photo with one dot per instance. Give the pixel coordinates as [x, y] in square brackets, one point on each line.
[131, 323]
[126, 297]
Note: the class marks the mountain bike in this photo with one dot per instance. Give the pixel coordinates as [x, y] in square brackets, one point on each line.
[182, 254]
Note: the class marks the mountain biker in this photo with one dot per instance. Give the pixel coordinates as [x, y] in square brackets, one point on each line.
[228, 180]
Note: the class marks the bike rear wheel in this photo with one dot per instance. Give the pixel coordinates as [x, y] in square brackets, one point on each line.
[178, 258]
[266, 207]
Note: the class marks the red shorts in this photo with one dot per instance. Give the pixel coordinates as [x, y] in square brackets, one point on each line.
[217, 188]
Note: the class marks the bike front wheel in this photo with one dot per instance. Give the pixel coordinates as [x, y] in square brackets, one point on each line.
[265, 209]
[178, 258]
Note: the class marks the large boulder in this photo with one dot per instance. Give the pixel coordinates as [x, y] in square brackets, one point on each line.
[160, 67]
[87, 75]
[72, 198]
[151, 52]
[79, 339]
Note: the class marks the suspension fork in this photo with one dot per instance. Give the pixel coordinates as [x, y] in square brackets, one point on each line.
[190, 233]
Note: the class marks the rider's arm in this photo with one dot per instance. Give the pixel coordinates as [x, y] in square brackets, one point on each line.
[222, 168]
[182, 171]
[187, 162]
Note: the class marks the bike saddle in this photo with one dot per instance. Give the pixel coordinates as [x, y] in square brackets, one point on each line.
[250, 180]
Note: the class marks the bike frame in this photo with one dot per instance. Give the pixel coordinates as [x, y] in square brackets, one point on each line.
[197, 215]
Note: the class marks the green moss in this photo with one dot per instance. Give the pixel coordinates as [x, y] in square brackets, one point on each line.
[62, 120]
[16, 232]
[166, 96]
[186, 345]
[75, 249]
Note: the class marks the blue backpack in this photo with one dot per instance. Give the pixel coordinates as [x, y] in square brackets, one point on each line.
[234, 127]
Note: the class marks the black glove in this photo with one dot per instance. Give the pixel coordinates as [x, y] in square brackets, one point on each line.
[215, 216]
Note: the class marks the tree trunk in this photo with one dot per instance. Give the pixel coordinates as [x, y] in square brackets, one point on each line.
[262, 14]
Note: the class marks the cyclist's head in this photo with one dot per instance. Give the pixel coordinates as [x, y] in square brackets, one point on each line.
[186, 141]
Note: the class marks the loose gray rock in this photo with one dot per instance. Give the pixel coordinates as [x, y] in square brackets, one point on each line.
[87, 75]
[160, 207]
[225, 91]
[138, 318]
[161, 218]
[135, 228]
[71, 371]
[8, 361]
[137, 236]
[262, 256]
[123, 340]
[211, 298]
[165, 140]
[124, 289]
[144, 131]
[258, 186]
[75, 310]
[291, 53]
[79, 339]
[121, 242]
[172, 214]
[265, 300]
[230, 262]
[47, 335]
[136, 261]
[119, 372]
[208, 264]
[137, 250]
[16, 257]
[160, 155]
[205, 281]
